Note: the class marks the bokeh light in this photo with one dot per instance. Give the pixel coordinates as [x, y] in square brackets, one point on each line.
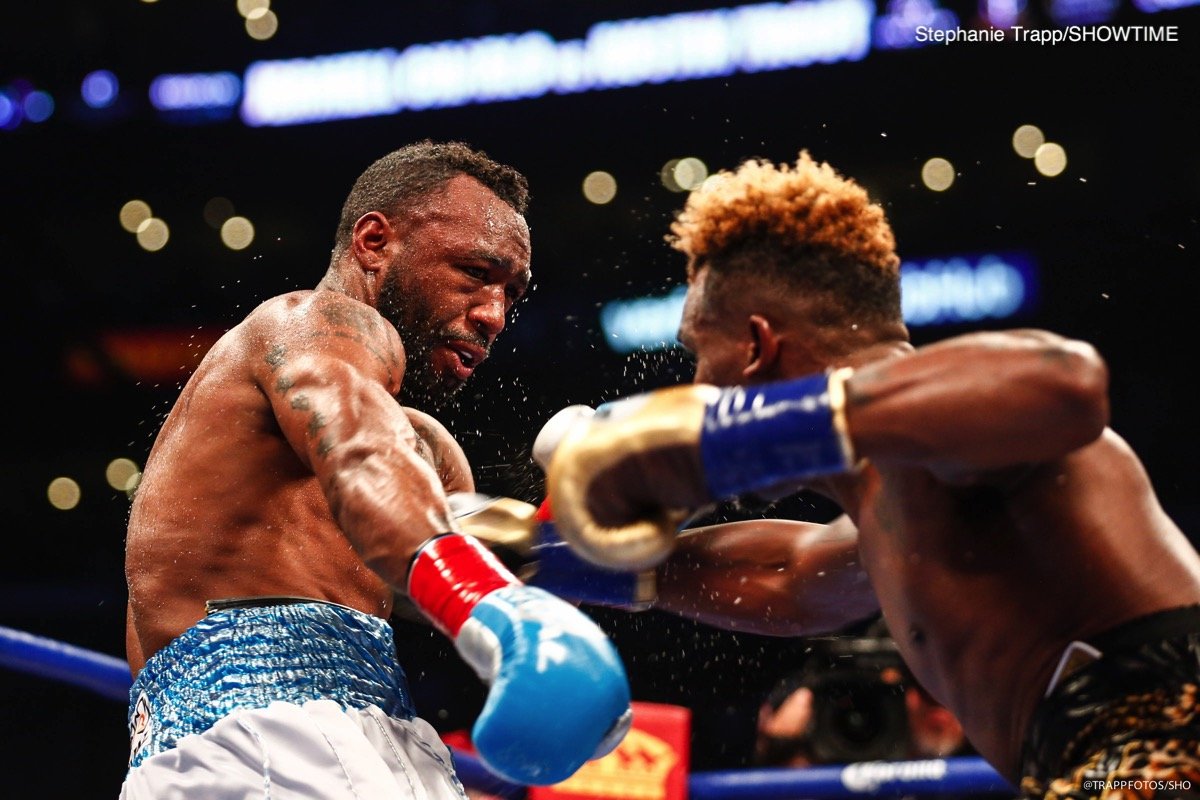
[937, 174]
[133, 214]
[122, 474]
[8, 111]
[153, 234]
[1027, 139]
[237, 233]
[63, 493]
[248, 7]
[667, 176]
[39, 106]
[262, 24]
[100, 89]
[1050, 159]
[689, 173]
[599, 187]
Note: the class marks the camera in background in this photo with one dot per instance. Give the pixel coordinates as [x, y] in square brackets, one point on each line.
[853, 699]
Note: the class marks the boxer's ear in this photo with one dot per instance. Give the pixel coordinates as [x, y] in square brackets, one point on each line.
[372, 235]
[763, 354]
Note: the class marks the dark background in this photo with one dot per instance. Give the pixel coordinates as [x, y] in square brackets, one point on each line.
[1116, 236]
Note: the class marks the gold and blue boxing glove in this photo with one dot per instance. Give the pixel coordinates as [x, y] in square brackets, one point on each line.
[622, 479]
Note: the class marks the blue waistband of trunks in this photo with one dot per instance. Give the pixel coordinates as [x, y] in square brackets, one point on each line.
[250, 657]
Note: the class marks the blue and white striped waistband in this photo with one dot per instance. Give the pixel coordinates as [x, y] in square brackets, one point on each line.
[249, 657]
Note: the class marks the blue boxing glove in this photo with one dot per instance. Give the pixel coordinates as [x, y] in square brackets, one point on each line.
[558, 696]
[624, 477]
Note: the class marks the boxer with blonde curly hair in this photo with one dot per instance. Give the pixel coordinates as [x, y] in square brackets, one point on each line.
[1030, 577]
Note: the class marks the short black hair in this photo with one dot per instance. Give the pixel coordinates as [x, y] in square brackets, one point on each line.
[404, 177]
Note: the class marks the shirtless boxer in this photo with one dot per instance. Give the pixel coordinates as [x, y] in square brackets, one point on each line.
[1033, 582]
[289, 497]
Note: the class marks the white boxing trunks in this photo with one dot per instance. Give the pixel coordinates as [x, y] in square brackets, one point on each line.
[294, 700]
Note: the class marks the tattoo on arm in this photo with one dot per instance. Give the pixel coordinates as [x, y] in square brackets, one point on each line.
[346, 315]
[367, 344]
[365, 322]
[360, 325]
[275, 358]
[315, 424]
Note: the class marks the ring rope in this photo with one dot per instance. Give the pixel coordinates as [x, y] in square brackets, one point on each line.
[960, 775]
[37, 655]
[109, 676]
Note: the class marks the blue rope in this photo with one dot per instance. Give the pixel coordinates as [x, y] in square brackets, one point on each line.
[48, 658]
[109, 677]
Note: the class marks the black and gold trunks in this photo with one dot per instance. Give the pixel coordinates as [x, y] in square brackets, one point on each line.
[1123, 719]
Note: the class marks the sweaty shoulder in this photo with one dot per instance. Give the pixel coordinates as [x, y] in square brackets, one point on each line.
[442, 451]
[322, 324]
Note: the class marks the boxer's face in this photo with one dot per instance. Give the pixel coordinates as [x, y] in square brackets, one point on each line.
[705, 332]
[460, 264]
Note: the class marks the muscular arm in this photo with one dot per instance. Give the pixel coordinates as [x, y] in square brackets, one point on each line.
[771, 577]
[437, 446]
[979, 402]
[331, 368]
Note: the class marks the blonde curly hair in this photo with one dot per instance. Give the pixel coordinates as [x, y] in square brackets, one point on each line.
[802, 223]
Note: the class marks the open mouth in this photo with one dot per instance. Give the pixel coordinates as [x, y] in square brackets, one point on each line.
[468, 358]
[465, 357]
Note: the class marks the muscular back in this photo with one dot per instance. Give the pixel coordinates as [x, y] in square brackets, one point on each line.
[997, 526]
[235, 497]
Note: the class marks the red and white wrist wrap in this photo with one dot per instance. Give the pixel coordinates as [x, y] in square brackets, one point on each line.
[450, 575]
